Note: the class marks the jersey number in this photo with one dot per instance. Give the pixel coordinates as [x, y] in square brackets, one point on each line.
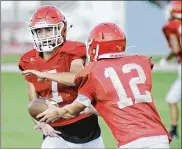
[124, 100]
[55, 96]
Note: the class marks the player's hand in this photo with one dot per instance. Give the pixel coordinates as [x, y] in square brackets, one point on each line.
[90, 110]
[163, 62]
[50, 115]
[39, 74]
[47, 130]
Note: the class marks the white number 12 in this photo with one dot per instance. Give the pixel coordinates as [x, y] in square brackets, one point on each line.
[124, 100]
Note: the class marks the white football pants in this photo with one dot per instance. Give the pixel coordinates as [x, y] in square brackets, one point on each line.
[58, 143]
[174, 94]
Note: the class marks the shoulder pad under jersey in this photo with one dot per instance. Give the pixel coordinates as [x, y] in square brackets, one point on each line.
[84, 73]
[75, 47]
[26, 58]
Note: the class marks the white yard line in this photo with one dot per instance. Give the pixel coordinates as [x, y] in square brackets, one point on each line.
[168, 68]
[9, 68]
[157, 68]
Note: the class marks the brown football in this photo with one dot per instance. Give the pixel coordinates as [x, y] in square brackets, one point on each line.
[38, 106]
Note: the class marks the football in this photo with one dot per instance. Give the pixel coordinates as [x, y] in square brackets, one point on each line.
[38, 106]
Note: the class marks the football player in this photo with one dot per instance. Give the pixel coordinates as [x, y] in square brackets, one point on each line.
[121, 88]
[172, 32]
[60, 58]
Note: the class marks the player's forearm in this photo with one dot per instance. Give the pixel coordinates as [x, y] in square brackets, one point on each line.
[31, 91]
[66, 78]
[32, 95]
[65, 113]
[174, 44]
[70, 110]
[68, 116]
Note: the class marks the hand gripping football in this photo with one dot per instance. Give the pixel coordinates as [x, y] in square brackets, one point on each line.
[38, 106]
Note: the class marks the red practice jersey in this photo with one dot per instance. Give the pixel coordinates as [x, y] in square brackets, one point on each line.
[60, 61]
[174, 27]
[122, 91]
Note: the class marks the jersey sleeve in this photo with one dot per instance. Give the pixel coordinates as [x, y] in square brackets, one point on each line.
[23, 65]
[149, 61]
[78, 52]
[26, 58]
[85, 83]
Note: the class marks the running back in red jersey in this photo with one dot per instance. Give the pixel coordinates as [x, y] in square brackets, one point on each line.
[122, 90]
[174, 28]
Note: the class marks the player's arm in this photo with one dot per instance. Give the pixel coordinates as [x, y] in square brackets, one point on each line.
[86, 93]
[174, 44]
[175, 48]
[31, 91]
[168, 35]
[45, 128]
[72, 110]
[66, 78]
[32, 95]
[69, 111]
[82, 105]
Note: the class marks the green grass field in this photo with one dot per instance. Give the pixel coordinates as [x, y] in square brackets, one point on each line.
[10, 59]
[17, 126]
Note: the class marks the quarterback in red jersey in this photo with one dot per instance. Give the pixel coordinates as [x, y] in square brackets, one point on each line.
[59, 60]
[121, 88]
[172, 32]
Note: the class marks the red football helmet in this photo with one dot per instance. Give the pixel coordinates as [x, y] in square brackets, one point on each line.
[174, 10]
[106, 40]
[45, 17]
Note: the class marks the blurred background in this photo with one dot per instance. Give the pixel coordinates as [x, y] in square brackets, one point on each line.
[142, 22]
